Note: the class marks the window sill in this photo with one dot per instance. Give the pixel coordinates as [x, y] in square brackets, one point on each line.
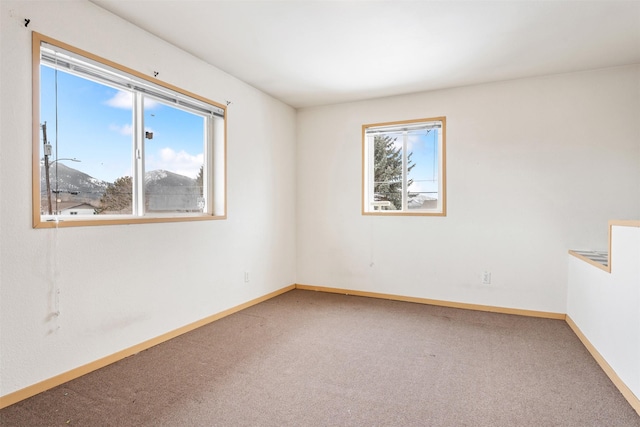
[396, 213]
[67, 221]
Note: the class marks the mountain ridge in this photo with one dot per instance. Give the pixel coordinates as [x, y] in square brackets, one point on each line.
[164, 190]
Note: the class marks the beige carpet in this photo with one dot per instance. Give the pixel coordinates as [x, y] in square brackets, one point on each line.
[314, 359]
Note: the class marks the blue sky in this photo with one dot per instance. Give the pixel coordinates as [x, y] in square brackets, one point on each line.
[424, 146]
[95, 123]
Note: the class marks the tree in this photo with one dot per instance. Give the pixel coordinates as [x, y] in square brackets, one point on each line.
[117, 197]
[387, 171]
[200, 180]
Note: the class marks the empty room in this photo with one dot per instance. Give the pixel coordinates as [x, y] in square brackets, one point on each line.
[300, 213]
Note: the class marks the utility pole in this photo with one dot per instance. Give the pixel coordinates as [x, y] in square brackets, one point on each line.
[47, 153]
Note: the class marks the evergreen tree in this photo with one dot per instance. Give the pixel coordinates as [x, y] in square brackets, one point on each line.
[387, 171]
[200, 180]
[117, 197]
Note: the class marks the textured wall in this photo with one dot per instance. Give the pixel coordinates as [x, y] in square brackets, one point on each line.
[606, 306]
[534, 167]
[116, 286]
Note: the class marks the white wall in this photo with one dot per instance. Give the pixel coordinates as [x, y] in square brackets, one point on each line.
[606, 307]
[534, 167]
[120, 285]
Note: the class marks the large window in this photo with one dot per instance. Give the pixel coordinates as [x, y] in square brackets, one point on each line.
[114, 146]
[404, 168]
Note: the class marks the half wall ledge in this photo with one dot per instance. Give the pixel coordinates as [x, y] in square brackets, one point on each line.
[602, 259]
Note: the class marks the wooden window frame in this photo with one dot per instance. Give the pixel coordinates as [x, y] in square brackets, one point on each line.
[217, 176]
[366, 168]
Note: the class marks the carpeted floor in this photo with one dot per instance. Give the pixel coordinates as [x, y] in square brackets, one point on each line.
[315, 359]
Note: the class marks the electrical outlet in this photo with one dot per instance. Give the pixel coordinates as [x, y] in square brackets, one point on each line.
[246, 277]
[486, 278]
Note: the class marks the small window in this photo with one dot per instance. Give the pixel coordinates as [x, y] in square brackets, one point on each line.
[113, 146]
[404, 168]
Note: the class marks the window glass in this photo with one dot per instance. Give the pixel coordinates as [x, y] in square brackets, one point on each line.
[174, 159]
[89, 142]
[423, 189]
[112, 144]
[404, 167]
[388, 156]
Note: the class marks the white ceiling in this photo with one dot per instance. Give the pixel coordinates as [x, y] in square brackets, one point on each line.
[308, 53]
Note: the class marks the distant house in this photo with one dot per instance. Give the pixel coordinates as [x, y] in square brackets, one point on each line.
[81, 209]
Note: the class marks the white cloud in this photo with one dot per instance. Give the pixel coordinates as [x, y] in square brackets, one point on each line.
[150, 103]
[124, 100]
[179, 162]
[413, 140]
[125, 129]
